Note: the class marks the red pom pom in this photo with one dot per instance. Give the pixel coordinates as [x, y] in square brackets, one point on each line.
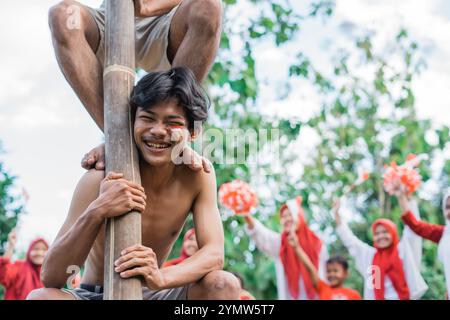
[238, 196]
[406, 174]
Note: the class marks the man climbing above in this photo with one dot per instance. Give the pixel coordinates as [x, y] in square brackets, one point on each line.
[161, 101]
[169, 33]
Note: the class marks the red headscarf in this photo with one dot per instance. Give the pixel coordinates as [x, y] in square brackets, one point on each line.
[25, 276]
[183, 255]
[310, 243]
[389, 263]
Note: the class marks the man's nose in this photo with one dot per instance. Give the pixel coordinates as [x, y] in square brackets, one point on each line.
[158, 129]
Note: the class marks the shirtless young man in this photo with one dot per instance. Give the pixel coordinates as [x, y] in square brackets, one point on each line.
[169, 33]
[163, 100]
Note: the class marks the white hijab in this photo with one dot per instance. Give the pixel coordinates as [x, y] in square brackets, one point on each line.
[444, 245]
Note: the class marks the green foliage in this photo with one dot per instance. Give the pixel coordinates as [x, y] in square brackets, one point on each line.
[363, 122]
[367, 124]
[10, 208]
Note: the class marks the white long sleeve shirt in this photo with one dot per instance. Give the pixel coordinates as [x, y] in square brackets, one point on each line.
[410, 252]
[269, 242]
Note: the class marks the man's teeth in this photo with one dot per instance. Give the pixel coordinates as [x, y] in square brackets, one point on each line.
[158, 145]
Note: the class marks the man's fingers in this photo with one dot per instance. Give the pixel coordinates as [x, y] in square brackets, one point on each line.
[134, 272]
[206, 165]
[139, 200]
[139, 207]
[113, 175]
[131, 263]
[136, 247]
[129, 256]
[133, 185]
[100, 165]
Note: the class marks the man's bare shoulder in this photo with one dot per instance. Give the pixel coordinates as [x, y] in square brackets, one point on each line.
[200, 180]
[90, 182]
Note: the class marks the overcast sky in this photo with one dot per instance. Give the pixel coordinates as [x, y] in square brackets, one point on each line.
[45, 130]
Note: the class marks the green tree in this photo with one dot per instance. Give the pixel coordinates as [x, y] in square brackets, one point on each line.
[235, 88]
[11, 207]
[367, 123]
[362, 136]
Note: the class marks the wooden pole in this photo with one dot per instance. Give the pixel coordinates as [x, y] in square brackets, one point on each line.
[121, 154]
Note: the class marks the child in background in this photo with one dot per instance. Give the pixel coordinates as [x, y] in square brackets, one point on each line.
[293, 280]
[21, 277]
[391, 268]
[336, 274]
[436, 233]
[188, 248]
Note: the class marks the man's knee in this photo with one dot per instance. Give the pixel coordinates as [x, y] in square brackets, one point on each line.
[42, 294]
[206, 15]
[222, 283]
[64, 19]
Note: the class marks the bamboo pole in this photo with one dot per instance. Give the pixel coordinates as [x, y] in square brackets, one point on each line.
[121, 153]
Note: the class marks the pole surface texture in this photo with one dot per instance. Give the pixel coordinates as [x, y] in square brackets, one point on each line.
[121, 154]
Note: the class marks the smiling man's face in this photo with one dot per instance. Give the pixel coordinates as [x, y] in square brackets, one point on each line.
[153, 131]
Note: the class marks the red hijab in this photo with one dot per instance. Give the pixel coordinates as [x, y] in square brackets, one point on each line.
[310, 243]
[183, 255]
[28, 276]
[389, 263]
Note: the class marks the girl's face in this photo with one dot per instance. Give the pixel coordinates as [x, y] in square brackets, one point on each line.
[287, 222]
[190, 245]
[382, 238]
[447, 209]
[37, 253]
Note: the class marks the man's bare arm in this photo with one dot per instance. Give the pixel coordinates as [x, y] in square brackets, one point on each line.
[87, 212]
[210, 238]
[153, 8]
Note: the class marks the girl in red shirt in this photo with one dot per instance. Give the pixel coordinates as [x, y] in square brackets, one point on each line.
[21, 277]
[436, 233]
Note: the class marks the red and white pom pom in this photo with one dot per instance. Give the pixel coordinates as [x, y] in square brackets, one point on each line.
[405, 174]
[238, 196]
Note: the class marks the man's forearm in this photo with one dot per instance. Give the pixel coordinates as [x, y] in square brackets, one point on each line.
[71, 249]
[194, 268]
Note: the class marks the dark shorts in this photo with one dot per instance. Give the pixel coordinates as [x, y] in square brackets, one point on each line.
[91, 292]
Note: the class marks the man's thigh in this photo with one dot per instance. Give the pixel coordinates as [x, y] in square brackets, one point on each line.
[72, 16]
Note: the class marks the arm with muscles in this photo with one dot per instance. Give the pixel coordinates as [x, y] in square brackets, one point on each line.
[301, 254]
[268, 241]
[86, 215]
[153, 8]
[359, 250]
[141, 261]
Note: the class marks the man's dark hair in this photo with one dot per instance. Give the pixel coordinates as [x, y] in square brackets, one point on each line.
[178, 83]
[339, 260]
